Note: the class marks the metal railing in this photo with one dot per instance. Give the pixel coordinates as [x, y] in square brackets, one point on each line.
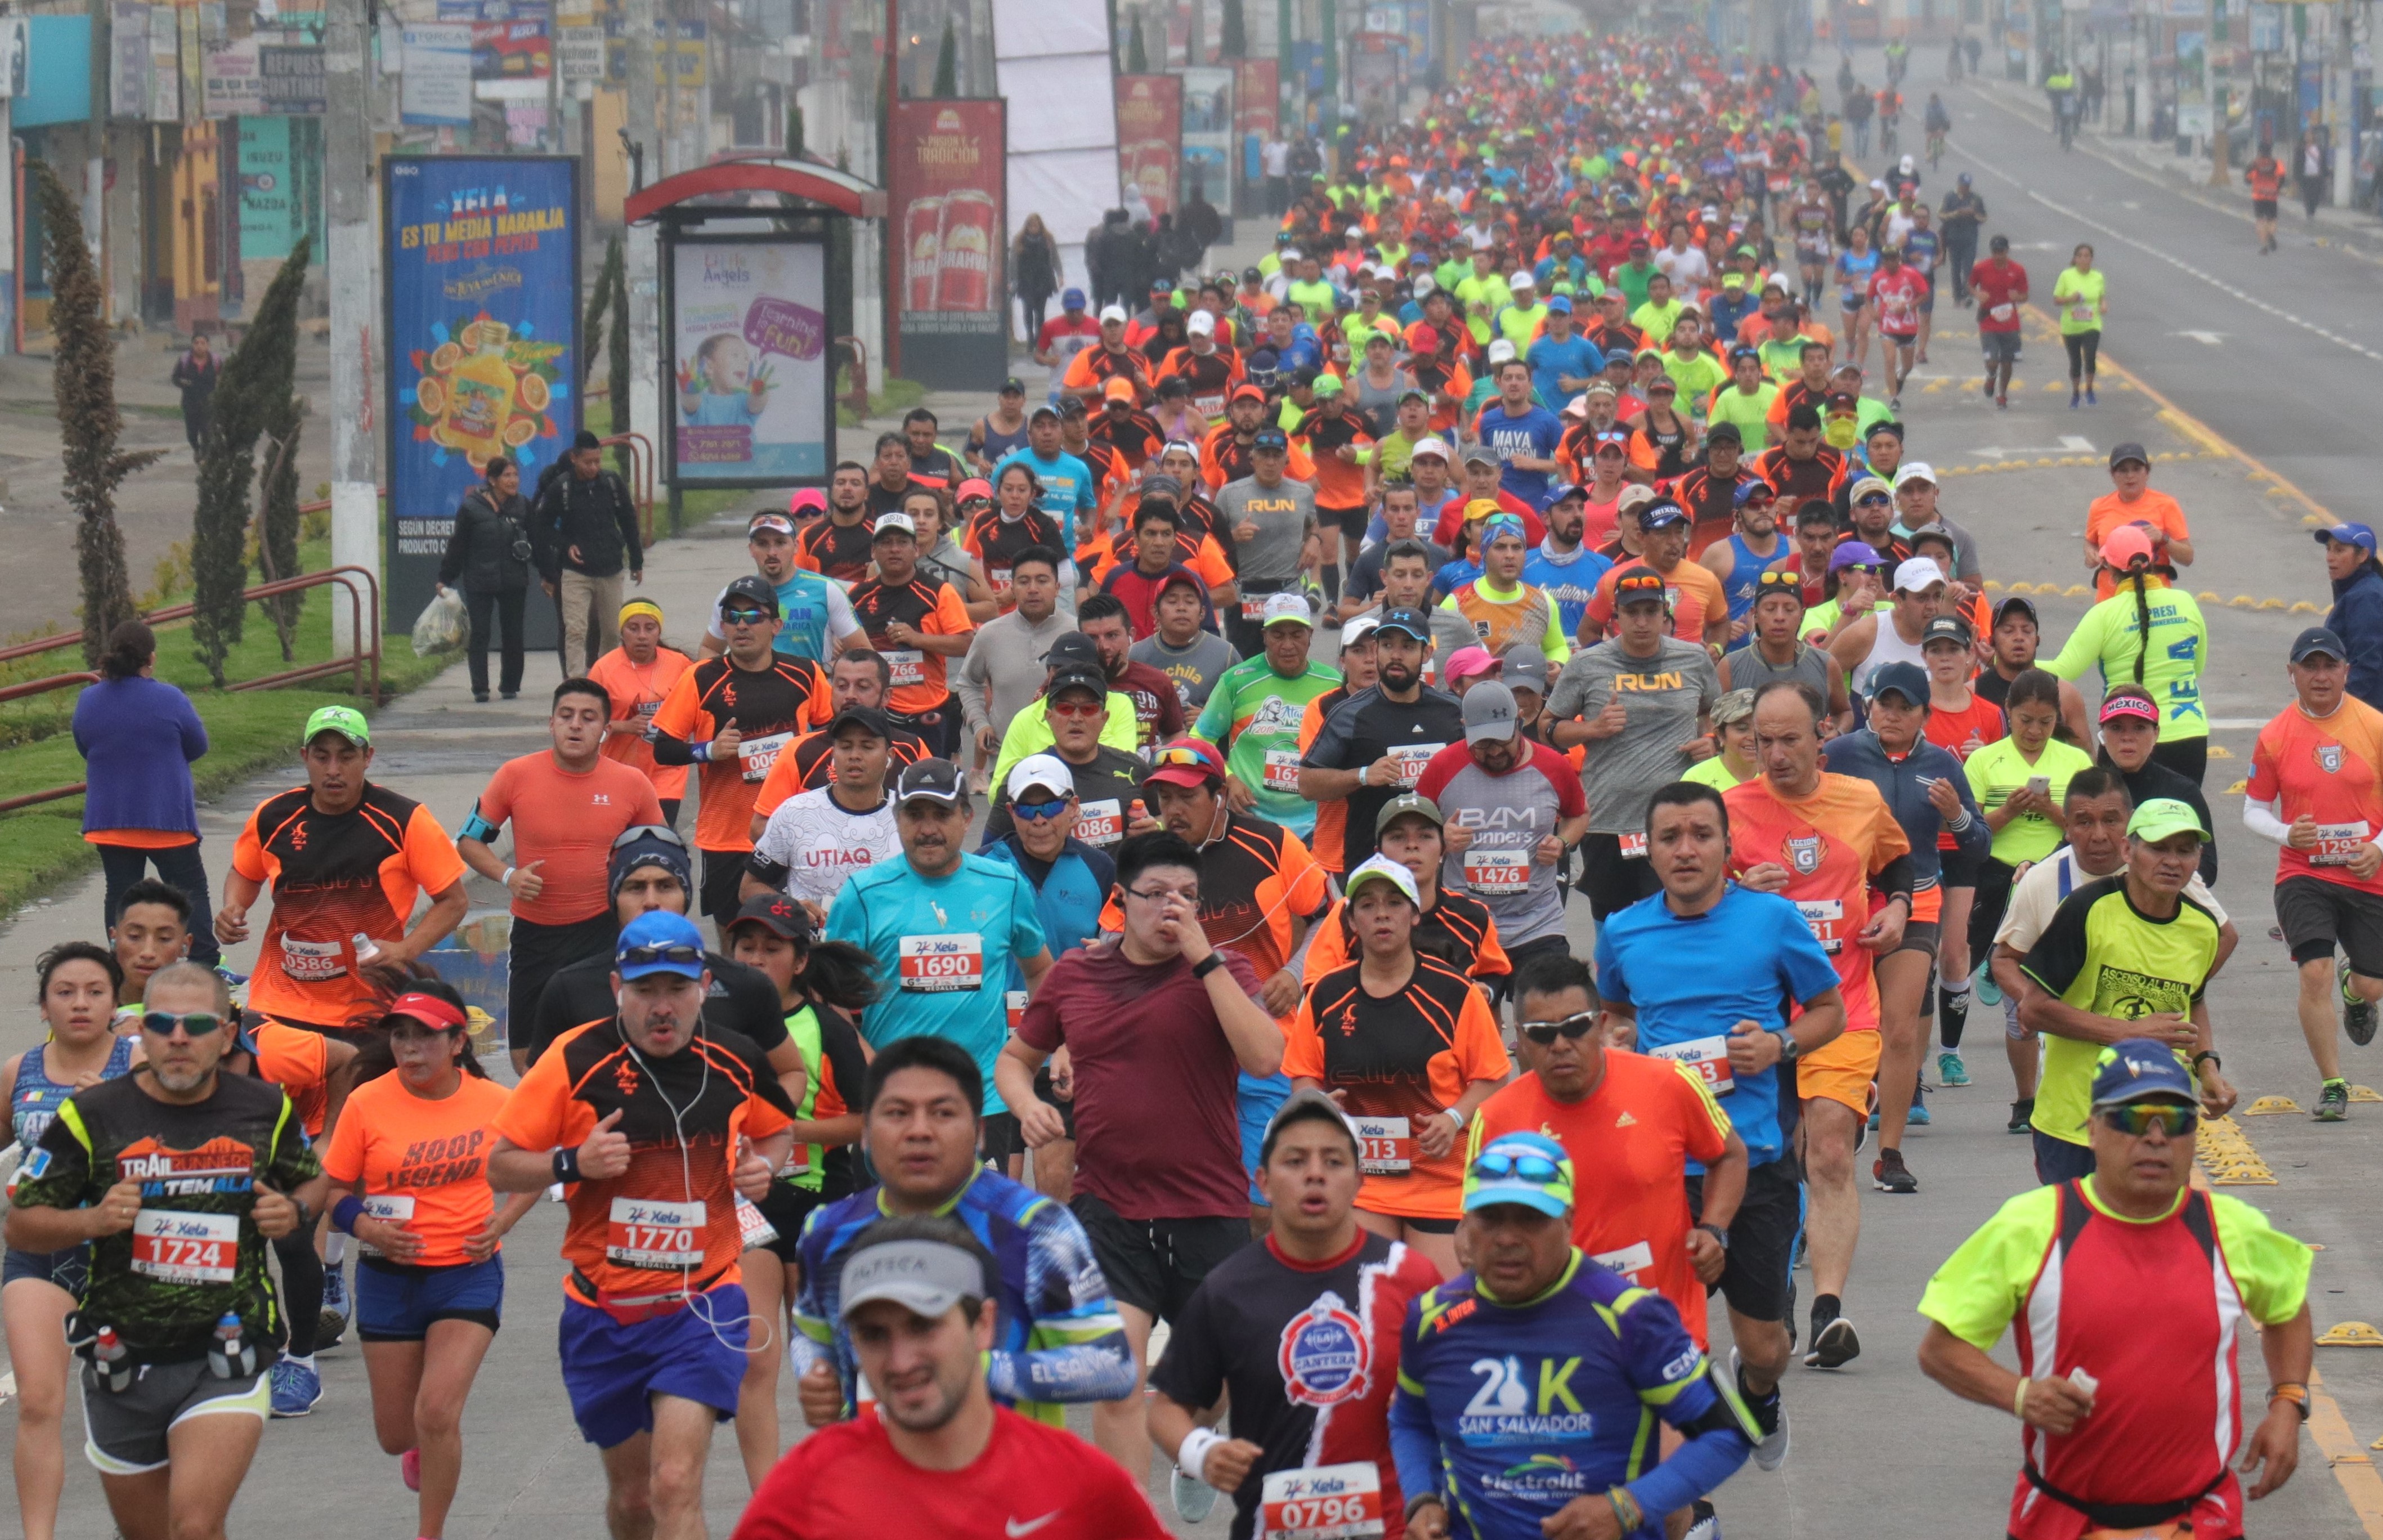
[641, 477]
[363, 613]
[38, 687]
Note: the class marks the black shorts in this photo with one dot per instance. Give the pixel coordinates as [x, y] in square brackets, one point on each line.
[1153, 1264]
[540, 951]
[1043, 1088]
[1987, 908]
[1611, 881]
[2317, 915]
[2263, 208]
[1351, 522]
[1761, 1239]
[998, 1138]
[1427, 1226]
[786, 1206]
[723, 873]
[1922, 935]
[1959, 869]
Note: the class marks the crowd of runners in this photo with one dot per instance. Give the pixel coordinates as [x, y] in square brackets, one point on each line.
[1148, 840]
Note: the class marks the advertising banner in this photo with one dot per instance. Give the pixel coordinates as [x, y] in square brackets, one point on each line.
[1208, 134]
[1150, 139]
[232, 87]
[1257, 104]
[746, 324]
[946, 179]
[510, 61]
[436, 87]
[482, 258]
[128, 76]
[293, 81]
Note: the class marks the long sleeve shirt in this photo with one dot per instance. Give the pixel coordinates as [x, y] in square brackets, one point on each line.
[1004, 671]
[2357, 618]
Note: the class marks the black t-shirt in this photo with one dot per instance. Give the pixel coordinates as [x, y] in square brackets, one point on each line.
[1365, 579]
[1368, 725]
[1455, 931]
[2156, 780]
[1106, 791]
[814, 757]
[742, 1000]
[882, 501]
[1305, 1351]
[841, 550]
[998, 542]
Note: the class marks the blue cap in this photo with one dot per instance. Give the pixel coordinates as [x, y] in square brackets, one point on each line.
[1525, 1168]
[1561, 305]
[2141, 1069]
[1072, 300]
[655, 932]
[2349, 535]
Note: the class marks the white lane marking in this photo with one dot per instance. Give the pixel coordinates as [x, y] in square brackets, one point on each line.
[2237, 724]
[8, 1386]
[2206, 338]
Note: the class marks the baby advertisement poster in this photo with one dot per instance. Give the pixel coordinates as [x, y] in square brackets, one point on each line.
[750, 355]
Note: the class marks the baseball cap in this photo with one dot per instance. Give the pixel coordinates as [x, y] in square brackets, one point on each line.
[895, 522]
[1406, 619]
[1246, 392]
[1187, 761]
[774, 912]
[1523, 667]
[1356, 631]
[1916, 574]
[1272, 439]
[1914, 470]
[1489, 712]
[1200, 323]
[1077, 677]
[1113, 312]
[1854, 553]
[1661, 514]
[651, 845]
[345, 721]
[2141, 1069]
[1422, 337]
[1749, 490]
[1045, 410]
[1868, 486]
[2129, 451]
[1436, 446]
[1299, 1107]
[1946, 628]
[1013, 386]
[807, 500]
[870, 720]
[2308, 644]
[1560, 306]
[2131, 703]
[1732, 707]
[974, 486]
[1523, 278]
[754, 590]
[2125, 546]
[767, 521]
[932, 780]
[1292, 607]
[1467, 661]
[1404, 804]
[659, 942]
[1640, 584]
[1071, 649]
[1381, 869]
[1328, 384]
[1521, 1167]
[925, 1278]
[1118, 389]
[2163, 816]
[1908, 680]
[1634, 496]
[1072, 405]
[2349, 535]
[1047, 770]
[1072, 299]
[1482, 455]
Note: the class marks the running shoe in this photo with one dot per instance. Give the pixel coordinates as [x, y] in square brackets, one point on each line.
[2075, 401]
[2002, 403]
[2022, 1118]
[1770, 1413]
[1193, 1498]
[233, 979]
[409, 1470]
[2357, 1016]
[1834, 1343]
[1985, 988]
[1950, 1071]
[1894, 405]
[332, 1324]
[2089, 399]
[1920, 1118]
[1703, 1522]
[1890, 1175]
[2333, 1102]
[296, 1388]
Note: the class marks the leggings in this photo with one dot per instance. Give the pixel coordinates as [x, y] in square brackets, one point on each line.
[302, 1288]
[2083, 348]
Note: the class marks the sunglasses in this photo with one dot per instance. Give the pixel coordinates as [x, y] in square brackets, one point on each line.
[1572, 1027]
[1075, 709]
[1788, 581]
[2137, 1118]
[745, 617]
[1191, 757]
[662, 832]
[1038, 812]
[645, 956]
[1496, 1165]
[1872, 499]
[197, 1024]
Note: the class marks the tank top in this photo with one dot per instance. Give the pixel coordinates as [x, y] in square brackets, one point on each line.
[1749, 670]
[38, 1097]
[1886, 645]
[1745, 577]
[998, 444]
[1380, 405]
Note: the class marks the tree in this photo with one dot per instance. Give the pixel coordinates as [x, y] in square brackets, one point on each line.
[947, 64]
[1233, 39]
[254, 390]
[618, 363]
[1137, 56]
[82, 383]
[795, 131]
[591, 332]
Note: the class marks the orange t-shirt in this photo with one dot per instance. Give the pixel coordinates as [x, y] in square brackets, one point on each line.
[1696, 597]
[140, 839]
[2331, 771]
[637, 695]
[1832, 843]
[300, 1063]
[1953, 730]
[918, 682]
[769, 707]
[567, 823]
[1460, 920]
[1399, 1061]
[2154, 508]
[420, 1164]
[1630, 1140]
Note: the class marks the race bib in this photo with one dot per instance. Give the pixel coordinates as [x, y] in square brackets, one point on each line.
[1209, 406]
[312, 962]
[2336, 844]
[753, 1228]
[1411, 759]
[178, 1248]
[937, 965]
[1253, 606]
[758, 754]
[2081, 313]
[907, 666]
[999, 578]
[1629, 1262]
[1282, 770]
[648, 708]
[395, 1208]
[1634, 845]
[1013, 1004]
[2003, 312]
[1497, 872]
[1100, 823]
[1827, 919]
[645, 1233]
[1330, 1502]
[1385, 1148]
[1708, 1056]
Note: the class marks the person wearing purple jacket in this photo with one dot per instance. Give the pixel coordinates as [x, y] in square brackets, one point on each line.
[138, 735]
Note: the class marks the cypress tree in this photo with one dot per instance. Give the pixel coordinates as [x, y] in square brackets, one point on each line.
[1233, 36]
[276, 536]
[618, 363]
[591, 330]
[1137, 56]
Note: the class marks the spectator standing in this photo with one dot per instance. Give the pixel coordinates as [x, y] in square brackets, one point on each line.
[1034, 271]
[490, 553]
[585, 527]
[138, 735]
[2357, 614]
[195, 375]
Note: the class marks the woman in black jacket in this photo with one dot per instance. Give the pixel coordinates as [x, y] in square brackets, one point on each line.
[489, 554]
[1035, 270]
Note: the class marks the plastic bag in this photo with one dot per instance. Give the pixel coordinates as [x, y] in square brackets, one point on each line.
[443, 626]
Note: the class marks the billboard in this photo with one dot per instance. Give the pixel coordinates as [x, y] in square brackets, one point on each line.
[745, 327]
[482, 258]
[947, 182]
[1150, 139]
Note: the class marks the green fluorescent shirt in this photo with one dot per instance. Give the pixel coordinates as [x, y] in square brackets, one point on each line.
[1030, 733]
[2101, 955]
[1713, 773]
[2078, 297]
[1998, 769]
[1751, 414]
[1697, 375]
[1986, 1281]
[1657, 321]
[2111, 635]
[1254, 713]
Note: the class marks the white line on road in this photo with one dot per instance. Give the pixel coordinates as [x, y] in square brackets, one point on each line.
[8, 1386]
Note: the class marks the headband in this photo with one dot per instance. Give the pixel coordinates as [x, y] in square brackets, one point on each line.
[642, 607]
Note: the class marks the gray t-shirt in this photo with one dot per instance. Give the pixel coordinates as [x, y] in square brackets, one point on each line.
[1194, 668]
[1964, 545]
[1509, 815]
[1665, 696]
[1284, 513]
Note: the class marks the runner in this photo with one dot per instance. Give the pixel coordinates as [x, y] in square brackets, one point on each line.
[1518, 813]
[1359, 670]
[2019, 783]
[1775, 648]
[814, 617]
[1157, 708]
[1740, 561]
[153, 928]
[1869, 642]
[1499, 610]
[637, 677]
[1426, 1055]
[2080, 294]
[176, 1175]
[2000, 286]
[855, 679]
[1254, 713]
[1563, 566]
[1272, 520]
[837, 546]
[1961, 722]
[1896, 292]
[1698, 610]
[914, 621]
[2133, 500]
[817, 839]
[1195, 658]
[2015, 643]
[2129, 729]
[1005, 669]
[655, 1329]
[2150, 633]
[1376, 743]
[1106, 783]
[2265, 177]
[1733, 723]
[406, 1163]
[1011, 528]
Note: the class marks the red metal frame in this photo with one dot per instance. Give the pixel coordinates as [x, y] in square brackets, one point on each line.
[641, 474]
[36, 687]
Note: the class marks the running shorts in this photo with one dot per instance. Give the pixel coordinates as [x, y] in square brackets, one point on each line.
[1922, 935]
[1612, 880]
[1257, 1100]
[787, 1207]
[2316, 915]
[1050, 1094]
[2057, 1161]
[2263, 208]
[1840, 1071]
[1958, 868]
[125, 1431]
[2001, 347]
[1000, 1137]
[396, 1303]
[1351, 522]
[612, 1371]
[69, 1269]
[1154, 1265]
[1761, 1239]
[724, 874]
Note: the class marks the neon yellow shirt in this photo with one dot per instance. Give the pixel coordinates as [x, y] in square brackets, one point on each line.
[1751, 414]
[2111, 635]
[2078, 297]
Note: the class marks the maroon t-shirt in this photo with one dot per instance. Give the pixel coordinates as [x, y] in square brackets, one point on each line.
[1157, 705]
[1157, 1133]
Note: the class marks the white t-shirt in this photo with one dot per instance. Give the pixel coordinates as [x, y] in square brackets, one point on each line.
[2037, 894]
[1276, 156]
[821, 842]
[1683, 268]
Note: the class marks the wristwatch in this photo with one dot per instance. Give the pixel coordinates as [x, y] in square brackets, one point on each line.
[1207, 965]
[1717, 1233]
[1788, 1047]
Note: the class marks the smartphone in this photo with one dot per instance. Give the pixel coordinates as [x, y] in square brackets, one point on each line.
[2039, 784]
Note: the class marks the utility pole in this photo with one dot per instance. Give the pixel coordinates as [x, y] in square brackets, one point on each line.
[642, 410]
[352, 267]
[95, 166]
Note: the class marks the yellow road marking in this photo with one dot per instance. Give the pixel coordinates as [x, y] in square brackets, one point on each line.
[2352, 1468]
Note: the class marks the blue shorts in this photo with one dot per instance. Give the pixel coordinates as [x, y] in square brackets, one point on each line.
[397, 1305]
[1258, 1101]
[2057, 1161]
[69, 1269]
[613, 1371]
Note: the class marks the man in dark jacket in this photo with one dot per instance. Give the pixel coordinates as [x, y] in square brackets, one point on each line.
[2357, 615]
[194, 377]
[585, 529]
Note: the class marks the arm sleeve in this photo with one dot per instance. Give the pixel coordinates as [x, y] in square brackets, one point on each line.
[1415, 1444]
[813, 1339]
[2261, 818]
[1077, 1348]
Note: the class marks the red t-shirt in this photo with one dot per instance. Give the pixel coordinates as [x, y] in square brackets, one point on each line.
[1999, 282]
[1451, 520]
[847, 1483]
[1897, 296]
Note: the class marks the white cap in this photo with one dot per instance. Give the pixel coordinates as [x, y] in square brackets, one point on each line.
[1430, 445]
[1524, 278]
[1780, 282]
[1291, 253]
[1501, 351]
[1422, 285]
[1915, 470]
[1356, 631]
[1286, 606]
[1113, 312]
[895, 519]
[1200, 323]
[1916, 574]
[1636, 495]
[1577, 407]
[1047, 770]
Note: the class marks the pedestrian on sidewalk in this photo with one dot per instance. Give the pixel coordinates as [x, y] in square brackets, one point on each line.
[195, 375]
[585, 527]
[2309, 161]
[490, 553]
[138, 735]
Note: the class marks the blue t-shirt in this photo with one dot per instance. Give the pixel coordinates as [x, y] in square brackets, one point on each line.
[802, 617]
[1919, 249]
[1068, 487]
[1728, 307]
[1535, 432]
[1551, 360]
[943, 947]
[1452, 576]
[1568, 581]
[1693, 977]
[1853, 277]
[1068, 900]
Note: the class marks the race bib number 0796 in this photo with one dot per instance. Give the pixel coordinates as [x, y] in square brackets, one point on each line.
[1331, 1502]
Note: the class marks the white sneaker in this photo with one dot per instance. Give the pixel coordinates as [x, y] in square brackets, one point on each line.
[1193, 1498]
[1771, 1451]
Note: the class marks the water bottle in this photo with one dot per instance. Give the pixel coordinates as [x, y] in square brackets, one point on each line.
[367, 949]
[109, 1354]
[230, 1357]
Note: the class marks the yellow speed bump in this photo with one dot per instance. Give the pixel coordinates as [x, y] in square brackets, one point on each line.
[2268, 1106]
[2351, 1333]
[2364, 1093]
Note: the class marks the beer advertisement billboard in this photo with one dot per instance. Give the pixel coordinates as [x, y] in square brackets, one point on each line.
[947, 179]
[1150, 139]
[745, 325]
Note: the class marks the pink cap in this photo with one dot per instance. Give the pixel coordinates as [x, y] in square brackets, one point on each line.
[1465, 662]
[809, 498]
[2126, 548]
